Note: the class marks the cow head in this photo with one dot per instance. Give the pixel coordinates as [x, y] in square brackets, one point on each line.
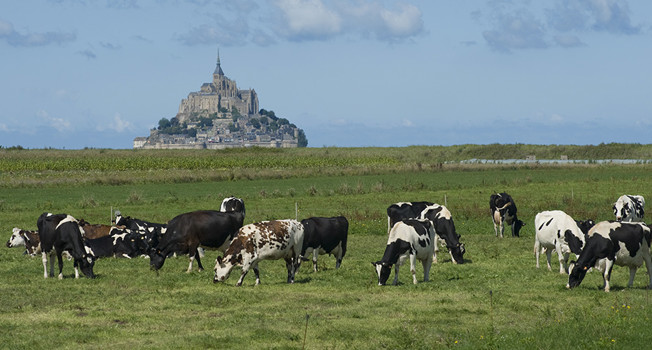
[16, 239]
[222, 270]
[86, 264]
[457, 253]
[576, 274]
[621, 210]
[156, 259]
[517, 227]
[383, 270]
[585, 225]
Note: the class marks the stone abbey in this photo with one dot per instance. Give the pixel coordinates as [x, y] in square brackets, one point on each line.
[220, 115]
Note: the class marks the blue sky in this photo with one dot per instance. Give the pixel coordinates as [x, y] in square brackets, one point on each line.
[82, 73]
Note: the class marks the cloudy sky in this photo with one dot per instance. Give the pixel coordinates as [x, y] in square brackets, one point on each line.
[97, 73]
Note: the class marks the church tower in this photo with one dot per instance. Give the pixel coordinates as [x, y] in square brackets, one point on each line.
[224, 86]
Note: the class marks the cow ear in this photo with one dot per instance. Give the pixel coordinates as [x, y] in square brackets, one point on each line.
[219, 260]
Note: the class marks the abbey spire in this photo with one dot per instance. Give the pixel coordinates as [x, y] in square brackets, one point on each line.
[218, 68]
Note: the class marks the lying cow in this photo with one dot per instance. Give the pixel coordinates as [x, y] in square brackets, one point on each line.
[119, 243]
[59, 233]
[625, 244]
[267, 240]
[503, 211]
[404, 210]
[629, 208]
[557, 230]
[24, 238]
[186, 232]
[445, 228]
[325, 236]
[413, 238]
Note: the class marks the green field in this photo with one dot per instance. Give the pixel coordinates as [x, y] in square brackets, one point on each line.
[497, 299]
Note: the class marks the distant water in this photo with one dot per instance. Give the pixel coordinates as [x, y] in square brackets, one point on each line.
[556, 161]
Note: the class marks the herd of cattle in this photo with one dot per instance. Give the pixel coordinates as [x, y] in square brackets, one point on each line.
[415, 230]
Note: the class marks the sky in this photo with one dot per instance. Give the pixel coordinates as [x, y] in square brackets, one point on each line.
[356, 73]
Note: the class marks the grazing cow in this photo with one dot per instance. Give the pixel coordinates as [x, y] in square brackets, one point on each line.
[557, 230]
[267, 240]
[404, 210]
[503, 211]
[29, 239]
[119, 243]
[629, 208]
[325, 236]
[413, 238]
[445, 228]
[59, 233]
[625, 244]
[186, 232]
[233, 204]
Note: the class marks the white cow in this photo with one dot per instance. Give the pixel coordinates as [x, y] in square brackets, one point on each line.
[629, 208]
[557, 230]
[267, 240]
[413, 238]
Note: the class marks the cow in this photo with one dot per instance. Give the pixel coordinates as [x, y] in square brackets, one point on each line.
[59, 233]
[186, 232]
[29, 239]
[625, 244]
[119, 243]
[557, 230]
[232, 204]
[444, 226]
[404, 210]
[629, 208]
[410, 237]
[266, 240]
[503, 211]
[150, 230]
[325, 236]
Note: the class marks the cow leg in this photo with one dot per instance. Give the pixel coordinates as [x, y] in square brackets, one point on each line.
[502, 228]
[315, 253]
[560, 257]
[198, 255]
[413, 268]
[289, 264]
[606, 274]
[60, 261]
[426, 269]
[339, 256]
[435, 244]
[44, 258]
[648, 267]
[257, 273]
[537, 251]
[548, 258]
[396, 266]
[632, 274]
[76, 266]
[245, 269]
[192, 258]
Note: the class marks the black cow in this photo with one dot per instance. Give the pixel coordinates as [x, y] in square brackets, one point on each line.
[503, 211]
[59, 233]
[186, 232]
[232, 204]
[625, 244]
[404, 210]
[119, 243]
[441, 218]
[325, 236]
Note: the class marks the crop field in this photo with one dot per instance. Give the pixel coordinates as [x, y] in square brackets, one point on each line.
[496, 299]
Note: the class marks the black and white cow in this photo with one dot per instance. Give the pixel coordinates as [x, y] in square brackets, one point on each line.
[186, 232]
[503, 211]
[413, 238]
[404, 210]
[609, 243]
[629, 208]
[325, 236]
[442, 220]
[24, 238]
[233, 204]
[557, 230]
[59, 233]
[267, 240]
[119, 243]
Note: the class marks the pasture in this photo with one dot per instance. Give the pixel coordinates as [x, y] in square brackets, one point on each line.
[497, 299]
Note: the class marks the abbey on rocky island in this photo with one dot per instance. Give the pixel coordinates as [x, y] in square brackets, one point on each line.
[220, 115]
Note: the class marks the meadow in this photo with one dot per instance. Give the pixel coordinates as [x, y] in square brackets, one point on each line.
[497, 299]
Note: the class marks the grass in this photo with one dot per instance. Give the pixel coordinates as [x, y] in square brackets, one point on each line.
[498, 299]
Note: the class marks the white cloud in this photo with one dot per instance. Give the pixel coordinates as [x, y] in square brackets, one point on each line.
[308, 19]
[59, 124]
[118, 125]
[403, 23]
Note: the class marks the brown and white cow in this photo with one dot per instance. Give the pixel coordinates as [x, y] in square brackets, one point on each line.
[267, 240]
[24, 238]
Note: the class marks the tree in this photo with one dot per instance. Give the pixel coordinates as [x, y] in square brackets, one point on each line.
[302, 141]
[164, 123]
[255, 123]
